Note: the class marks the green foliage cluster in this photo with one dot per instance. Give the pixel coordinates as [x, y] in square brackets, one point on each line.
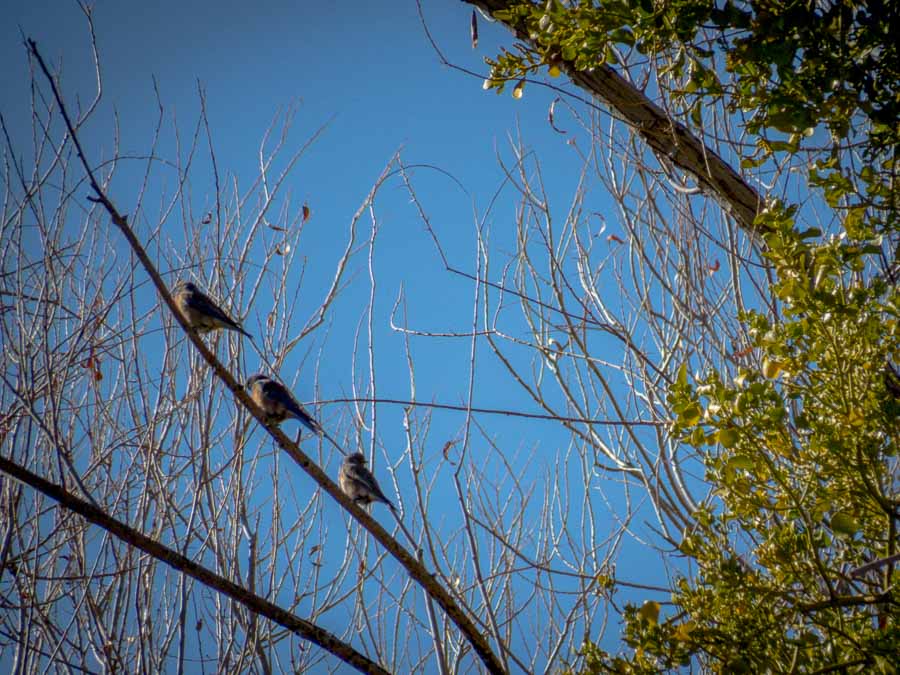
[802, 452]
[802, 448]
[803, 455]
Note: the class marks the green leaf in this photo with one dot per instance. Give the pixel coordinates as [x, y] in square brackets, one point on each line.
[691, 415]
[727, 438]
[770, 368]
[751, 163]
[740, 462]
[650, 611]
[844, 524]
[696, 114]
[810, 233]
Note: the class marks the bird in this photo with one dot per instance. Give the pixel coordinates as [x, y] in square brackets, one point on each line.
[278, 403]
[358, 483]
[200, 312]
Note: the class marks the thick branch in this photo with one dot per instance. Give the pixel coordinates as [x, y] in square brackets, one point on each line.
[665, 135]
[175, 560]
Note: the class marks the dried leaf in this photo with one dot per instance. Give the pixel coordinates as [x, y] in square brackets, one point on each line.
[474, 30]
[306, 212]
[715, 266]
[446, 450]
[550, 117]
[614, 238]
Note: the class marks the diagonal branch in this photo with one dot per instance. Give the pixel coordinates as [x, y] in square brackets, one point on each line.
[415, 569]
[204, 575]
[666, 136]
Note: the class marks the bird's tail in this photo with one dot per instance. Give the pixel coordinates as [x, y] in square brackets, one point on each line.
[312, 425]
[240, 330]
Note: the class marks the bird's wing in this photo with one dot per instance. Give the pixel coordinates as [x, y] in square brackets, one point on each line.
[200, 302]
[367, 480]
[278, 392]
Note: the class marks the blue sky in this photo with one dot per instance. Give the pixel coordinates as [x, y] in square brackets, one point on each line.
[367, 72]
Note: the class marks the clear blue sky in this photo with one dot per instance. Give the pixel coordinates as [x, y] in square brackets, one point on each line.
[368, 72]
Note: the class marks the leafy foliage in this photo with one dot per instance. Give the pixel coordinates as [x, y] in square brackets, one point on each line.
[804, 462]
[802, 447]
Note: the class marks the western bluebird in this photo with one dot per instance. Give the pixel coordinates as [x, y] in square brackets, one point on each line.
[278, 403]
[358, 483]
[201, 313]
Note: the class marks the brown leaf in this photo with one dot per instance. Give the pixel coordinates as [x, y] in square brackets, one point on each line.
[615, 238]
[306, 212]
[474, 30]
[550, 117]
[446, 450]
[714, 267]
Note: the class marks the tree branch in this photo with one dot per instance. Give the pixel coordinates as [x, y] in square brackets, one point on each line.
[663, 134]
[177, 561]
[415, 569]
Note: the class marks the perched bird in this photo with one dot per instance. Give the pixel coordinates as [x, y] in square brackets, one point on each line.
[278, 403]
[358, 483]
[201, 313]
